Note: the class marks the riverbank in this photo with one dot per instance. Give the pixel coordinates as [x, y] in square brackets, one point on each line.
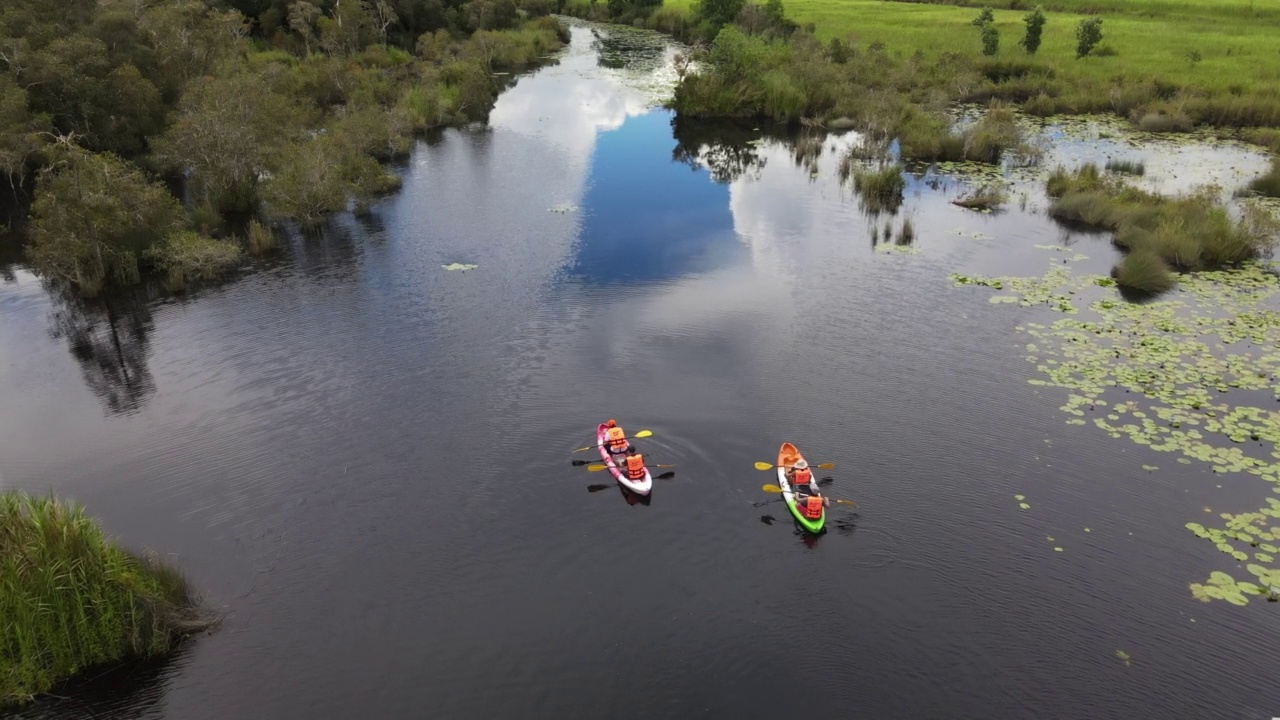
[282, 120]
[73, 600]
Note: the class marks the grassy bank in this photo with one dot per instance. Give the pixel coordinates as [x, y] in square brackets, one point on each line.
[70, 599]
[1214, 64]
[279, 111]
[1160, 234]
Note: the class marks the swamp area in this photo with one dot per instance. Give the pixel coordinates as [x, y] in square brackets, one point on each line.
[358, 447]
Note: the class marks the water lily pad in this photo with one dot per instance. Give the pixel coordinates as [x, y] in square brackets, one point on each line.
[1024, 506]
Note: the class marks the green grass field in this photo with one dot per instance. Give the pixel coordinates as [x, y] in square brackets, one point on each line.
[1229, 47]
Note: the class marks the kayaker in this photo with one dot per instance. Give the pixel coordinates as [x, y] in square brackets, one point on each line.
[615, 437]
[635, 465]
[800, 475]
[812, 506]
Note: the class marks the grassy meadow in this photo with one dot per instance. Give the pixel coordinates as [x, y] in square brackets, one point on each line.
[1217, 47]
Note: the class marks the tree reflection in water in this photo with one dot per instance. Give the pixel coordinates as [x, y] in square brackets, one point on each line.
[109, 337]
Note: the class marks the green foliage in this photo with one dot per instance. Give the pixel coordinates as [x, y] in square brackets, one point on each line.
[71, 599]
[1144, 271]
[985, 17]
[1088, 35]
[1192, 232]
[185, 257]
[1127, 167]
[20, 132]
[718, 12]
[880, 190]
[990, 40]
[93, 217]
[260, 237]
[1268, 184]
[1034, 21]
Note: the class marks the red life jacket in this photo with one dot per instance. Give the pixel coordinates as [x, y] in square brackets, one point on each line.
[802, 476]
[812, 507]
[617, 439]
[635, 467]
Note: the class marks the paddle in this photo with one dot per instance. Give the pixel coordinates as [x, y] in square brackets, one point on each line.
[641, 434]
[771, 488]
[598, 488]
[600, 466]
[767, 466]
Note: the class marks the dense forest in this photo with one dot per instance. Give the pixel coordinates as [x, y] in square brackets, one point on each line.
[167, 134]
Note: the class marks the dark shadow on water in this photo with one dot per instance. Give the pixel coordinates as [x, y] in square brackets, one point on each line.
[622, 48]
[635, 498]
[109, 337]
[727, 149]
[768, 519]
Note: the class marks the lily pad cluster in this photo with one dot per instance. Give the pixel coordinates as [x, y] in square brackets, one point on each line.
[1196, 374]
[1221, 586]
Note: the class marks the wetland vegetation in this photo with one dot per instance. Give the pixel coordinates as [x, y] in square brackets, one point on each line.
[73, 600]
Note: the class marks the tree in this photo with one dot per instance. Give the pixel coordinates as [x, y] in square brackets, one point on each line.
[986, 17]
[719, 12]
[302, 16]
[384, 16]
[226, 136]
[1035, 27]
[1088, 35]
[20, 132]
[990, 39]
[93, 217]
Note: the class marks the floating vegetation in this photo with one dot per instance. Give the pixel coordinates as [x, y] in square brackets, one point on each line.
[1195, 374]
[563, 208]
[895, 249]
[1123, 657]
[1126, 167]
[1022, 502]
[459, 266]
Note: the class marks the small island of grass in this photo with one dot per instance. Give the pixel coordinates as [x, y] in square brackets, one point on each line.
[71, 599]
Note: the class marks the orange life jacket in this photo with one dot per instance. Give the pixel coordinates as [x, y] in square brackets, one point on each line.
[617, 438]
[635, 467]
[802, 476]
[812, 507]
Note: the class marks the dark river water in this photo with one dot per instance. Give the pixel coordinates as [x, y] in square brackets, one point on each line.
[364, 459]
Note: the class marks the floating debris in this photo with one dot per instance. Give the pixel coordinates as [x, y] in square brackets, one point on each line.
[459, 266]
[1123, 657]
[563, 208]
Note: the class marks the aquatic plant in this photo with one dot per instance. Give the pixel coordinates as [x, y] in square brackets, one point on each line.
[72, 600]
[1126, 167]
[260, 238]
[1268, 184]
[880, 190]
[1190, 232]
[1144, 270]
[1179, 375]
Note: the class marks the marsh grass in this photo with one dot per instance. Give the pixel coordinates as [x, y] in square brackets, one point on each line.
[72, 600]
[880, 190]
[1191, 232]
[907, 233]
[1126, 167]
[1268, 184]
[260, 238]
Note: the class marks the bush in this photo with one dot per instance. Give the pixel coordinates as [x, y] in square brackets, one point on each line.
[187, 256]
[1034, 21]
[1162, 120]
[1088, 35]
[990, 40]
[261, 239]
[72, 600]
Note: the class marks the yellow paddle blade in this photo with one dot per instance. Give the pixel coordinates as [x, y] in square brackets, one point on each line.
[846, 502]
[763, 466]
[643, 433]
[597, 467]
[589, 447]
[827, 466]
[771, 488]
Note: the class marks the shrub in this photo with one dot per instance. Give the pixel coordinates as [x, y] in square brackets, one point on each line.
[1162, 120]
[261, 239]
[1126, 167]
[1034, 21]
[990, 40]
[985, 17]
[187, 256]
[1088, 35]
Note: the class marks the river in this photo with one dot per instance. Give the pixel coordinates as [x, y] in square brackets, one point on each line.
[364, 459]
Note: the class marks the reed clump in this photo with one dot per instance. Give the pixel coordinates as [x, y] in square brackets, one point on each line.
[1126, 167]
[71, 600]
[1268, 184]
[881, 190]
[1186, 233]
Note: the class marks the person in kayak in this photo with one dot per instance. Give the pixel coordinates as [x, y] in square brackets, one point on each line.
[800, 476]
[635, 465]
[616, 438]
